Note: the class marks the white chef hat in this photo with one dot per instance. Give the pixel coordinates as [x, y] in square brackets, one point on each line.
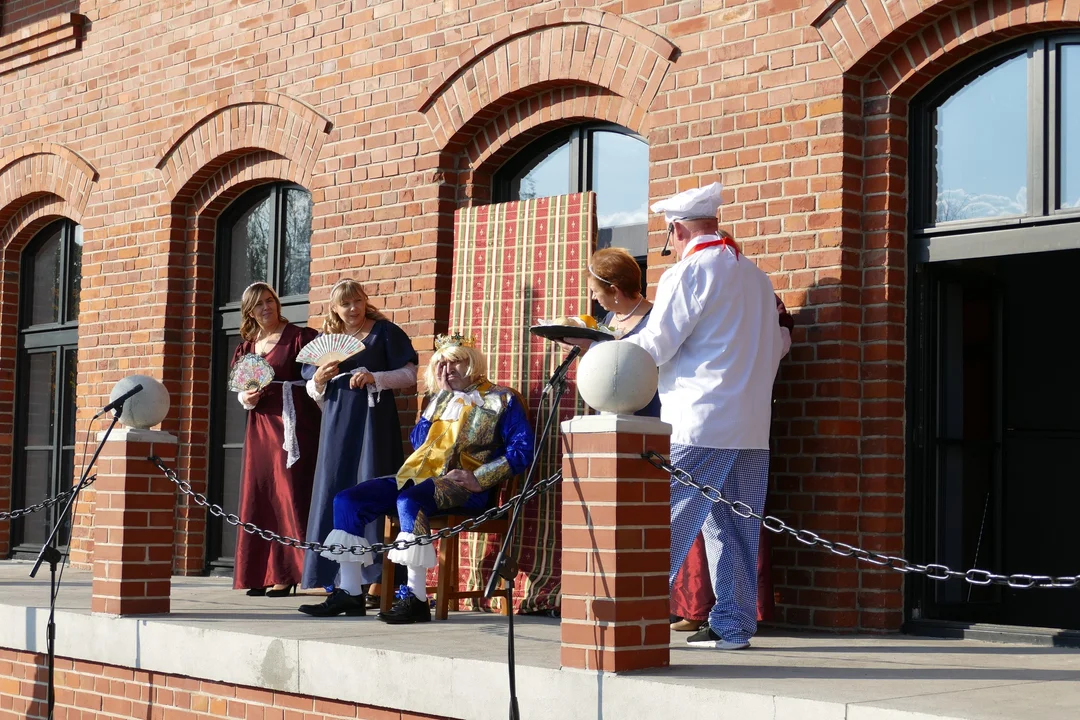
[692, 204]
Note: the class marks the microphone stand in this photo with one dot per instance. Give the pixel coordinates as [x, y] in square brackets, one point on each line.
[506, 566]
[52, 555]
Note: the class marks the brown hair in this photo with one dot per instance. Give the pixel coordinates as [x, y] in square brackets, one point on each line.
[347, 289]
[615, 267]
[249, 328]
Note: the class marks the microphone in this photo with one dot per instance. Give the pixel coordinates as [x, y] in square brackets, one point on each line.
[560, 372]
[119, 402]
[665, 252]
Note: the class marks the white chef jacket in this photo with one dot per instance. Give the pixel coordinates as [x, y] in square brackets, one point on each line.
[714, 334]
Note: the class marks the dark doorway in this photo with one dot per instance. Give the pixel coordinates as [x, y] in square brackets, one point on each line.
[995, 435]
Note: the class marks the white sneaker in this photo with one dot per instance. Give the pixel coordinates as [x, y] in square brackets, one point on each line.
[706, 638]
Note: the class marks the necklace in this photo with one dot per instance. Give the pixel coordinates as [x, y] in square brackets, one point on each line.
[626, 317]
[355, 333]
[264, 339]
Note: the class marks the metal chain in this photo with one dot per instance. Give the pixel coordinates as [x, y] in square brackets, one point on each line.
[338, 549]
[49, 502]
[933, 571]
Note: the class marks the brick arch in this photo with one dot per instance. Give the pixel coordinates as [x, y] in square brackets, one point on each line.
[43, 168]
[32, 214]
[565, 47]
[232, 125]
[888, 51]
[925, 36]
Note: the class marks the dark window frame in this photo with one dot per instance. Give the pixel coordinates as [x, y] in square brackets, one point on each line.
[60, 338]
[1030, 232]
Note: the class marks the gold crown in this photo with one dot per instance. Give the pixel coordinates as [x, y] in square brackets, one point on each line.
[456, 340]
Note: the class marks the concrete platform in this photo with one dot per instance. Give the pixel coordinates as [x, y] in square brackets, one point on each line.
[457, 668]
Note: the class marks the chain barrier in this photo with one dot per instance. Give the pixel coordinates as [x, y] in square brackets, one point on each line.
[338, 549]
[933, 571]
[49, 502]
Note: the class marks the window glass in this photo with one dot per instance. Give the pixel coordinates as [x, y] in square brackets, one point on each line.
[248, 246]
[548, 175]
[620, 177]
[44, 291]
[981, 146]
[74, 274]
[297, 243]
[1070, 125]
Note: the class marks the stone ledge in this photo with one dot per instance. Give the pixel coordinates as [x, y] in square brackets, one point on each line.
[41, 41]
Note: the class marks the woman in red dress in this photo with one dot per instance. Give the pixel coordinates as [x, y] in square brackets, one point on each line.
[279, 460]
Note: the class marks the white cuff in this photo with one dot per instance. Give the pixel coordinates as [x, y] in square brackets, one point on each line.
[313, 392]
[347, 540]
[398, 379]
[415, 555]
[244, 404]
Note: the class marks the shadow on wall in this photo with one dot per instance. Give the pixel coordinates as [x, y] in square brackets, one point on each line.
[18, 14]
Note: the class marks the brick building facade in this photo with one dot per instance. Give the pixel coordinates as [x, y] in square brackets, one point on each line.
[142, 122]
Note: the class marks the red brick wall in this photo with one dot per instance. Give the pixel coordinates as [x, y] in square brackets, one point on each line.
[394, 115]
[89, 690]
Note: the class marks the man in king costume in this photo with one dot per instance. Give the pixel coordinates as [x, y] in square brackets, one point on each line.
[713, 333]
[472, 436]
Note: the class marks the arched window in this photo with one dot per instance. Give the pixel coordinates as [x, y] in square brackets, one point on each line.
[51, 276]
[995, 236]
[265, 235]
[997, 146]
[605, 158]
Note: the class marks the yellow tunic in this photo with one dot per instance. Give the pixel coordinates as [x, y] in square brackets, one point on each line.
[439, 452]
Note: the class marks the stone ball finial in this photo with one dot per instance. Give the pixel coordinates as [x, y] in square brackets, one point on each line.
[617, 377]
[146, 408]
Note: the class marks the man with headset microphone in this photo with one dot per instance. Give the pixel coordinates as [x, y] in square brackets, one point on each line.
[714, 335]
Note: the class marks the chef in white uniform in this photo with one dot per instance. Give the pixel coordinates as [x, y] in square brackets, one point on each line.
[714, 335]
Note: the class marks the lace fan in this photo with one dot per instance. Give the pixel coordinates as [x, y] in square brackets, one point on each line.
[328, 348]
[251, 372]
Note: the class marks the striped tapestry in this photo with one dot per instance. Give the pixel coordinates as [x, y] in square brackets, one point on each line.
[515, 263]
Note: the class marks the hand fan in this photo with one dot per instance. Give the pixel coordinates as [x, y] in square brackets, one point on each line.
[251, 372]
[329, 348]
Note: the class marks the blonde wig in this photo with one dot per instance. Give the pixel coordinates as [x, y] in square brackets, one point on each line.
[477, 369]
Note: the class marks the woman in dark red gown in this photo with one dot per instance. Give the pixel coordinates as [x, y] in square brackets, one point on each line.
[275, 490]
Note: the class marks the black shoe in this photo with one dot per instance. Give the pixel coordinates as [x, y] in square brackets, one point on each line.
[372, 601]
[706, 638]
[255, 592]
[283, 592]
[338, 602]
[407, 609]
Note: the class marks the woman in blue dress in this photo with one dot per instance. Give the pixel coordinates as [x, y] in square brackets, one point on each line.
[361, 433]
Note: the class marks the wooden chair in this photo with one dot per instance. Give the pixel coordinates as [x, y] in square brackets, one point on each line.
[448, 591]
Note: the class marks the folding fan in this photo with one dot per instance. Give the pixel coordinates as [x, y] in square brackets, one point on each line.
[328, 348]
[251, 372]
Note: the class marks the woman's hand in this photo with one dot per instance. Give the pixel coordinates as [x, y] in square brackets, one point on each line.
[464, 479]
[251, 397]
[325, 373]
[580, 342]
[361, 380]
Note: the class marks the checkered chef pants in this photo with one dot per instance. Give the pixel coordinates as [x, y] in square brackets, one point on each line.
[731, 542]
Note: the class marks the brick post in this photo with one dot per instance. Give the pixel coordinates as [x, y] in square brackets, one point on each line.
[133, 524]
[616, 544]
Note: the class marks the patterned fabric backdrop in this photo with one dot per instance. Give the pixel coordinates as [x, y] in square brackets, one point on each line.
[515, 263]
